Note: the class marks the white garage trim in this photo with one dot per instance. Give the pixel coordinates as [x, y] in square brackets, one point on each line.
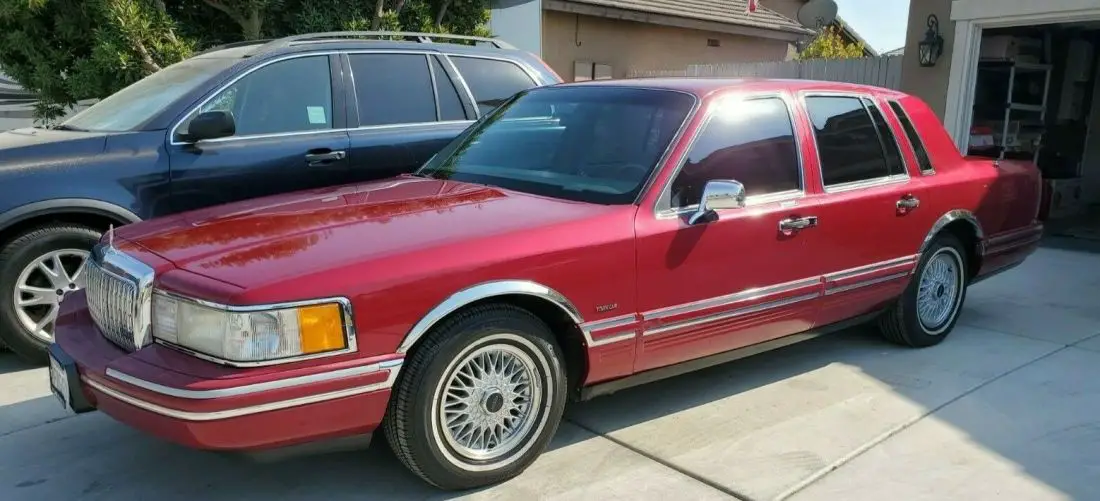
[971, 17]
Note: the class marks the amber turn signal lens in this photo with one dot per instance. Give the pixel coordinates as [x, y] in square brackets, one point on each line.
[321, 328]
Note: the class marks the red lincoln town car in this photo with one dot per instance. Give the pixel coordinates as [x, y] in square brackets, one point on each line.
[580, 239]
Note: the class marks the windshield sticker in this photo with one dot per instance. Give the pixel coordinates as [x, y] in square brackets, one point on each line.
[316, 114]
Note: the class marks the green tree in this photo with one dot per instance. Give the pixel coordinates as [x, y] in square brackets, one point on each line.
[830, 44]
[71, 50]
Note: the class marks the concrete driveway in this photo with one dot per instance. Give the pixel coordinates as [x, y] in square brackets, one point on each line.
[1007, 409]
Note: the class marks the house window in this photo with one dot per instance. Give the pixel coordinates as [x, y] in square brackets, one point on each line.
[584, 71]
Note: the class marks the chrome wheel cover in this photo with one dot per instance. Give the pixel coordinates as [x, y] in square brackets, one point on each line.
[491, 402]
[43, 285]
[940, 290]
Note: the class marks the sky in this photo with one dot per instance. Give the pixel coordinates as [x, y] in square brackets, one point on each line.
[880, 22]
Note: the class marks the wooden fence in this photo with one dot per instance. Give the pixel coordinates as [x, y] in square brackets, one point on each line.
[882, 71]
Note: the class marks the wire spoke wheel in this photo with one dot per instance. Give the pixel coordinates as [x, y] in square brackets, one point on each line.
[488, 402]
[939, 290]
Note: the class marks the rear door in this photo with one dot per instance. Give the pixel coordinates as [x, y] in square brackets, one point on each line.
[870, 222]
[290, 135]
[404, 106]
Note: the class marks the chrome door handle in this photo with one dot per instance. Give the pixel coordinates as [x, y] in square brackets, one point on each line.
[908, 202]
[322, 158]
[797, 223]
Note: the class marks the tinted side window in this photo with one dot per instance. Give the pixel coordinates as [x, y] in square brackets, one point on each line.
[393, 88]
[294, 95]
[450, 105]
[914, 138]
[751, 142]
[847, 141]
[492, 81]
[886, 136]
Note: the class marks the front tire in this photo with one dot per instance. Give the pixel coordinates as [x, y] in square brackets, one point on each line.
[927, 311]
[38, 270]
[479, 400]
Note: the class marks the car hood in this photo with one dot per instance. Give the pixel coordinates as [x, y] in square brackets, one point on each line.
[269, 240]
[30, 145]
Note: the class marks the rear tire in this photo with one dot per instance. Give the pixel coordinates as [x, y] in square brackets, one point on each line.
[927, 311]
[17, 262]
[479, 399]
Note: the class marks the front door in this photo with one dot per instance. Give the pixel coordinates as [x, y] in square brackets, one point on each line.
[871, 222]
[290, 135]
[738, 279]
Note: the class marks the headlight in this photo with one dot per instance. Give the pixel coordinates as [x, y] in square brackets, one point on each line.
[252, 336]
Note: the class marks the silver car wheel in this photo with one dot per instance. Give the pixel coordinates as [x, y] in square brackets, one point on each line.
[489, 401]
[43, 285]
[940, 290]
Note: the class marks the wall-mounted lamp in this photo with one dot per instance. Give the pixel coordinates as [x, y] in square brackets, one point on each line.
[931, 48]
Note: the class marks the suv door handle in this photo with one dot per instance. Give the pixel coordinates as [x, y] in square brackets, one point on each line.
[793, 224]
[907, 203]
[326, 157]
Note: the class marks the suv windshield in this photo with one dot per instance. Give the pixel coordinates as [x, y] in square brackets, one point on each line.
[128, 108]
[586, 143]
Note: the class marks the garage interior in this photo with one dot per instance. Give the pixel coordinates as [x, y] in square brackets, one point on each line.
[1037, 98]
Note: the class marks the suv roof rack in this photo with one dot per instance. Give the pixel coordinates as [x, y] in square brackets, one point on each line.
[233, 45]
[406, 35]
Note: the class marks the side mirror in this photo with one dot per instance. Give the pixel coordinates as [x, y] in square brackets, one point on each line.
[211, 125]
[718, 195]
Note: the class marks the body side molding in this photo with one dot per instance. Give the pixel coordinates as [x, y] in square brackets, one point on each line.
[484, 291]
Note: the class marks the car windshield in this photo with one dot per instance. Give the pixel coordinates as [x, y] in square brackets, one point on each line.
[592, 144]
[132, 106]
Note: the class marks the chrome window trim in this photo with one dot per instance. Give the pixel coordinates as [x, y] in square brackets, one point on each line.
[241, 411]
[172, 131]
[435, 89]
[345, 307]
[779, 197]
[905, 114]
[663, 213]
[236, 391]
[853, 185]
[462, 82]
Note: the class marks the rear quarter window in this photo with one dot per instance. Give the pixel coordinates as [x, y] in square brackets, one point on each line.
[914, 139]
[492, 81]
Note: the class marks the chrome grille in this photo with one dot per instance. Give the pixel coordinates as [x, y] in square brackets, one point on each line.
[118, 289]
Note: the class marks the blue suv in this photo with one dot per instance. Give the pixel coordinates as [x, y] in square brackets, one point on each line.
[236, 122]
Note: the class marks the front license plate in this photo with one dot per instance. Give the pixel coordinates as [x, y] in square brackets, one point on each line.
[59, 382]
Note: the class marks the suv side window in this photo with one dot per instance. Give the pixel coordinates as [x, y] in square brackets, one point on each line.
[393, 88]
[492, 81]
[751, 142]
[848, 143]
[914, 138]
[450, 105]
[293, 95]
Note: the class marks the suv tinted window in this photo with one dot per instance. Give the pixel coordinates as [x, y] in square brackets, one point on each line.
[450, 105]
[847, 141]
[748, 141]
[886, 137]
[492, 81]
[914, 138]
[393, 88]
[293, 95]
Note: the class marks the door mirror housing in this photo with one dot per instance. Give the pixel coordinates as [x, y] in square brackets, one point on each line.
[210, 125]
[718, 195]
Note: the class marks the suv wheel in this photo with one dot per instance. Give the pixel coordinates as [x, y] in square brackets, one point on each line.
[480, 400]
[928, 309]
[40, 268]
